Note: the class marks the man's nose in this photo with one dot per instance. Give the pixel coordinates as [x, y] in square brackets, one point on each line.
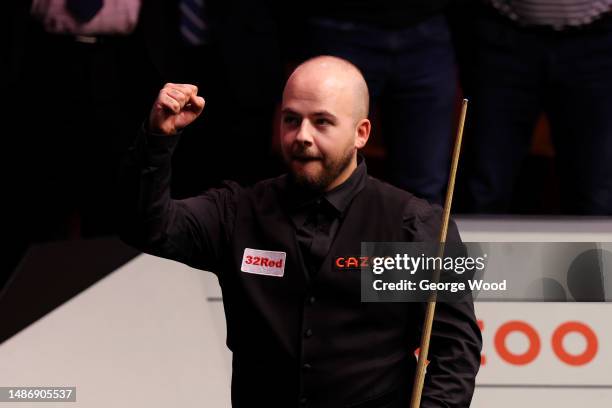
[304, 134]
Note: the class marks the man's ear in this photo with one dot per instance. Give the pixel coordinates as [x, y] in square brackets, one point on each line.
[362, 133]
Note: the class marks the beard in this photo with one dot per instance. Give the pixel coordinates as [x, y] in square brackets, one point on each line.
[330, 169]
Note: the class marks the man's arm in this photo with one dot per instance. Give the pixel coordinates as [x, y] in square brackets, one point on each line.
[192, 231]
[456, 339]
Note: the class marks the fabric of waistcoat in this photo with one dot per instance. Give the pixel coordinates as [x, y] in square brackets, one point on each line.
[294, 337]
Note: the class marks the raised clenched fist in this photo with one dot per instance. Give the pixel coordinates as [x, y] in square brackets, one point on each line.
[176, 106]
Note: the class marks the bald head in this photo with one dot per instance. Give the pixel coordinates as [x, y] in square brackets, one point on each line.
[335, 78]
[324, 121]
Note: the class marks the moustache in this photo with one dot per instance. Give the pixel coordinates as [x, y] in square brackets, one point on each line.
[301, 154]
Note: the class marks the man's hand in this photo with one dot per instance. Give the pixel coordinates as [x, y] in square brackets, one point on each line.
[176, 106]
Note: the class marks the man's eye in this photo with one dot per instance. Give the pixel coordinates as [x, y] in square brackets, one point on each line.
[323, 122]
[290, 120]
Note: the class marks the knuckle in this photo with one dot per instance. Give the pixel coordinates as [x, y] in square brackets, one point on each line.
[177, 94]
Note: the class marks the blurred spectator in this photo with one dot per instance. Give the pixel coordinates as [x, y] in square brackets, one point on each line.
[405, 52]
[523, 58]
[71, 66]
[87, 17]
[230, 50]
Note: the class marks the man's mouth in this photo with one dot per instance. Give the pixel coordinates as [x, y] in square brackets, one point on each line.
[305, 159]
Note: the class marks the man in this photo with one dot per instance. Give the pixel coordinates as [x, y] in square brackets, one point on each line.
[298, 332]
[405, 52]
[524, 58]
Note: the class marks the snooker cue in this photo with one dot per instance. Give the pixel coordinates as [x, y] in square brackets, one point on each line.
[419, 379]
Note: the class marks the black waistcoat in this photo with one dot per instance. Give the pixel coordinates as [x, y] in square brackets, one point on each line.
[302, 342]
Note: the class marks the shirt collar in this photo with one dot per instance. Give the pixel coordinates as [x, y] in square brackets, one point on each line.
[341, 196]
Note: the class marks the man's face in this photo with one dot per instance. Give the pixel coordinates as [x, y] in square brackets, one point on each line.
[317, 131]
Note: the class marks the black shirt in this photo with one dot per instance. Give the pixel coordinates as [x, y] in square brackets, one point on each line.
[382, 13]
[317, 216]
[297, 338]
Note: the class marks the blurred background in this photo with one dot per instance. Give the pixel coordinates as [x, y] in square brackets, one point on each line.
[78, 78]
